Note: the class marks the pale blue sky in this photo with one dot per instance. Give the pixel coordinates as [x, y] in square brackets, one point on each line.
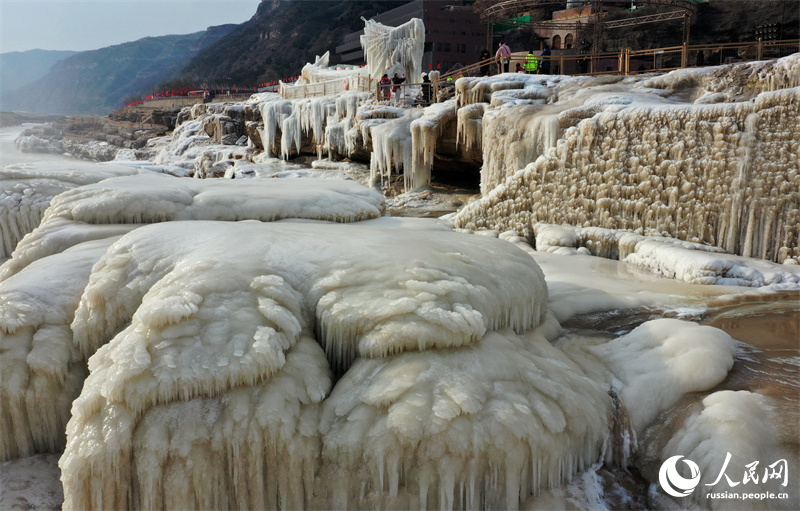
[93, 24]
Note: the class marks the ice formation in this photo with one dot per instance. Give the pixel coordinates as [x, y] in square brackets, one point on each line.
[660, 361]
[181, 328]
[425, 132]
[476, 427]
[694, 263]
[77, 228]
[724, 435]
[632, 154]
[257, 363]
[389, 50]
[157, 198]
[41, 371]
[392, 147]
[27, 190]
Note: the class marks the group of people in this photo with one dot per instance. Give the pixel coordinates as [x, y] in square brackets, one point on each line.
[389, 86]
[531, 65]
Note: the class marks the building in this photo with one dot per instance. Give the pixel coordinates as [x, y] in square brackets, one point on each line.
[454, 33]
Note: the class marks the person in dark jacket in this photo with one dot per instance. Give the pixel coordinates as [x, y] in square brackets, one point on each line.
[397, 80]
[427, 89]
[544, 64]
[484, 63]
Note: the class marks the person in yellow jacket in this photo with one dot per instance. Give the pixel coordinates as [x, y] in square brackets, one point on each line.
[531, 63]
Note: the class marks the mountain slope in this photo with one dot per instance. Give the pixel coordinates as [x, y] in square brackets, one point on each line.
[23, 67]
[280, 38]
[97, 82]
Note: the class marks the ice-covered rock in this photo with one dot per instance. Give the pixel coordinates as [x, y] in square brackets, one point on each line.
[638, 154]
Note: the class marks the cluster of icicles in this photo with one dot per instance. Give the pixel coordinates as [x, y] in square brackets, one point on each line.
[627, 153]
[609, 153]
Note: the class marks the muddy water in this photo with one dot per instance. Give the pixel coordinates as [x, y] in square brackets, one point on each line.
[767, 363]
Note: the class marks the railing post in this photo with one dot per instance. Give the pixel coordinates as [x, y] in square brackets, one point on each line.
[685, 54]
[760, 50]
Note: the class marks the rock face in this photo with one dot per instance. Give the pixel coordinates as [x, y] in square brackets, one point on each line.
[99, 138]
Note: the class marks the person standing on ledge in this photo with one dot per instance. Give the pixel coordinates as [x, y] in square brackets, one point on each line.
[396, 81]
[484, 63]
[544, 65]
[504, 54]
[531, 63]
[385, 86]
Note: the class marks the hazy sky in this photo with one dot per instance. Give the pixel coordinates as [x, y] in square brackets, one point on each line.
[93, 24]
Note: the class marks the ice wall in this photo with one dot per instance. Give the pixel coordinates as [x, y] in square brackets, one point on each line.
[321, 124]
[633, 157]
[41, 371]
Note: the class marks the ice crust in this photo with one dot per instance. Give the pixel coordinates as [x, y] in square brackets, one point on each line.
[159, 198]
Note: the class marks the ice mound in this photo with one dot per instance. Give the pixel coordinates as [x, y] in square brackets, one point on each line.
[27, 189]
[41, 370]
[183, 327]
[661, 360]
[480, 426]
[221, 368]
[159, 198]
[39, 301]
[382, 292]
[724, 435]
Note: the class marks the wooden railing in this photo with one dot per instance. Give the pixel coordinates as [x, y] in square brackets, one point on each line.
[624, 62]
[406, 94]
[361, 83]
